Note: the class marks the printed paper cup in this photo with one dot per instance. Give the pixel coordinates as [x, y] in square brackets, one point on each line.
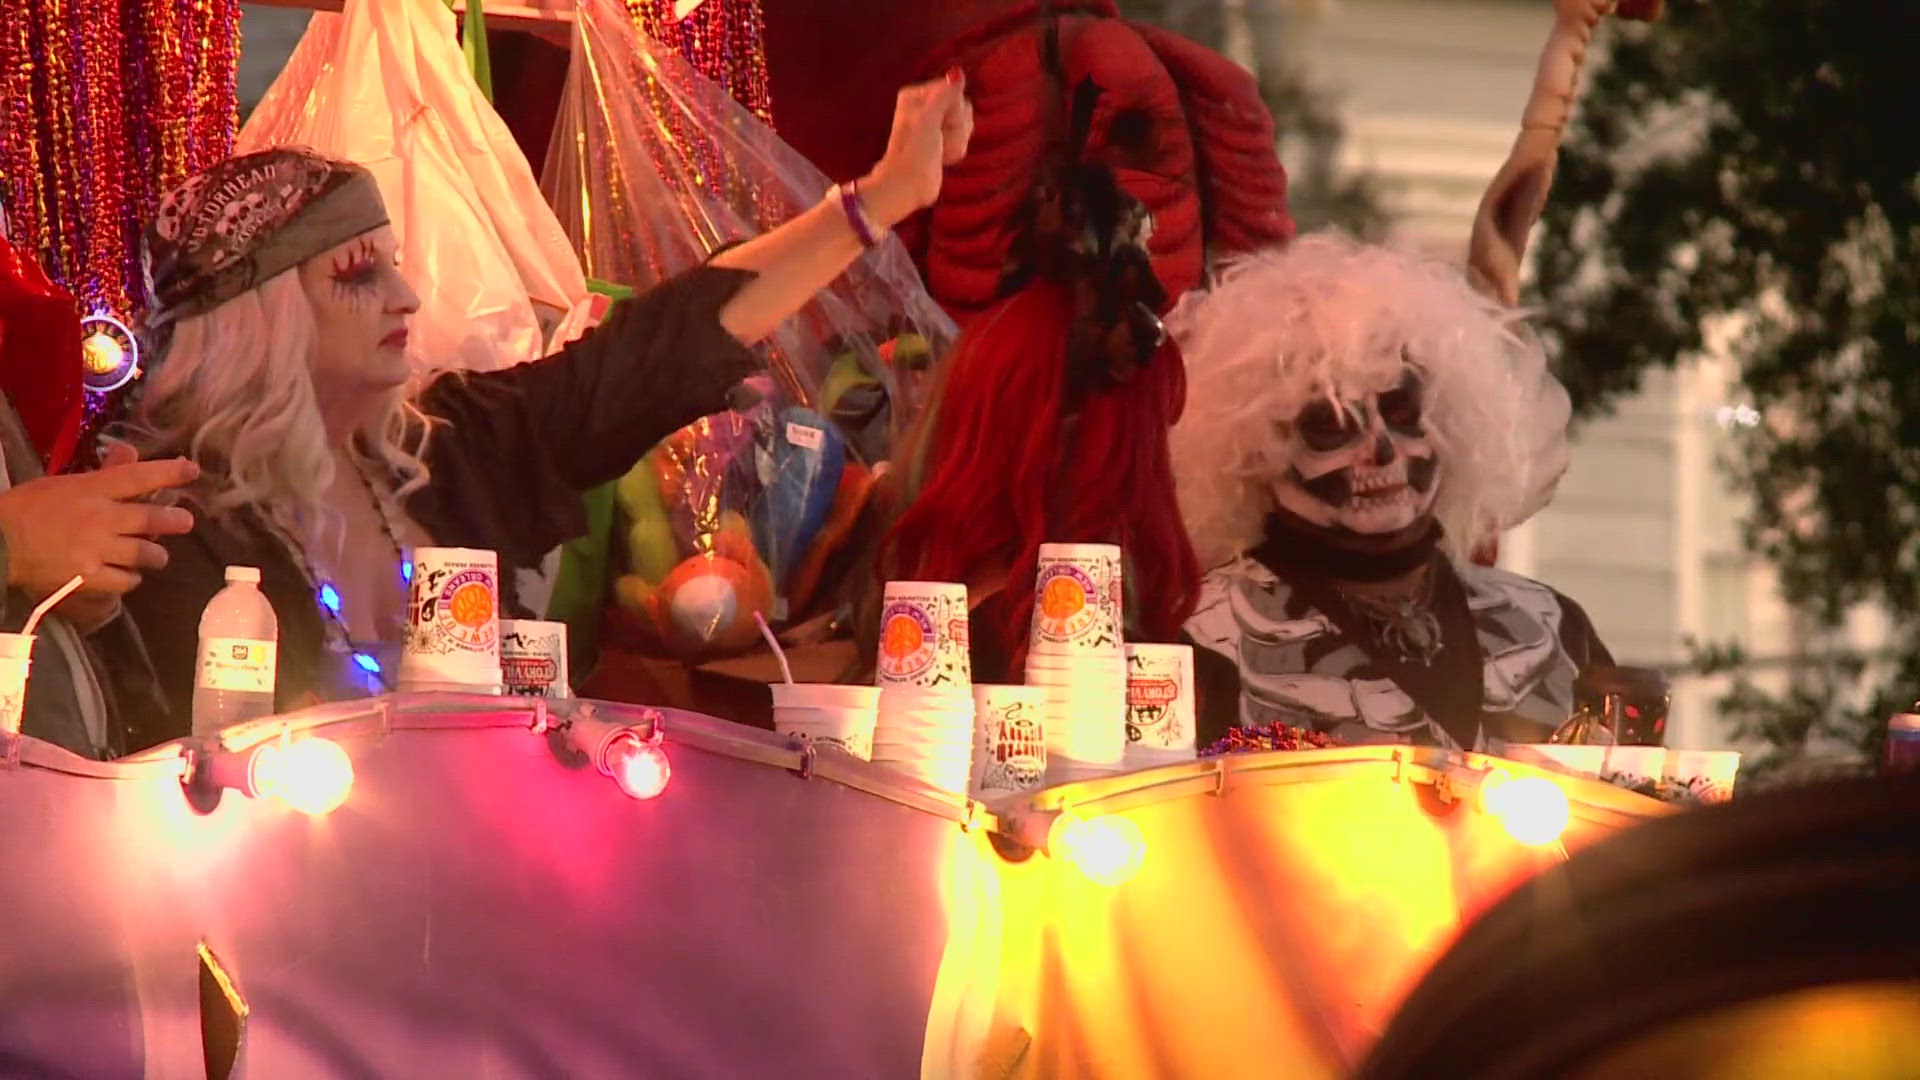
[1048, 657]
[16, 656]
[1140, 757]
[1639, 768]
[1160, 709]
[1012, 739]
[1560, 757]
[1062, 769]
[533, 658]
[923, 636]
[1077, 602]
[945, 776]
[841, 716]
[958, 699]
[453, 622]
[1707, 775]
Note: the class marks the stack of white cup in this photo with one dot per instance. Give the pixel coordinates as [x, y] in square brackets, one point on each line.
[1076, 656]
[453, 622]
[841, 716]
[1160, 705]
[925, 724]
[1011, 755]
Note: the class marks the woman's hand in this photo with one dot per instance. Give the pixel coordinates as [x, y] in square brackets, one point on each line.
[932, 123]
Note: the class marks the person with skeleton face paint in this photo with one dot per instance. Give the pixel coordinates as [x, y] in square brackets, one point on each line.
[1358, 421]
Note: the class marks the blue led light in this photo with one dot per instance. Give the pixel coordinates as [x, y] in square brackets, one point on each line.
[406, 571]
[367, 663]
[330, 597]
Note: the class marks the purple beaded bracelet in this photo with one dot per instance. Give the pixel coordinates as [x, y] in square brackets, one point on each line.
[856, 214]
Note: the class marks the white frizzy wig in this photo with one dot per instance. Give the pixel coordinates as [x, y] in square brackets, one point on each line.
[234, 392]
[1328, 315]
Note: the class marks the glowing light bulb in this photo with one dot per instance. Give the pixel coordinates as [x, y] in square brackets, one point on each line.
[103, 355]
[641, 769]
[1533, 809]
[1109, 850]
[312, 775]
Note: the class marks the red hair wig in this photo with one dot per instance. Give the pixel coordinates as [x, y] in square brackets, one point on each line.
[1001, 451]
[1005, 460]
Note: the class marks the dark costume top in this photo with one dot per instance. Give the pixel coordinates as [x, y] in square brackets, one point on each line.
[510, 453]
[1275, 641]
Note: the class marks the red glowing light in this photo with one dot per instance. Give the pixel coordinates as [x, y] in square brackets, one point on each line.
[640, 768]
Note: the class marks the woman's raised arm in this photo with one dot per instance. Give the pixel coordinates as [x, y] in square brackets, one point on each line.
[931, 125]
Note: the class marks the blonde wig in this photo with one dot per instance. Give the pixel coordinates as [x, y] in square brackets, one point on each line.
[1327, 315]
[233, 390]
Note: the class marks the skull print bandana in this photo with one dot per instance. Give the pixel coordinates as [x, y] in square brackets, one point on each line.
[247, 219]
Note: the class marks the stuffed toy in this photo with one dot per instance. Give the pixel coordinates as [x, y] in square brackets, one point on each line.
[694, 578]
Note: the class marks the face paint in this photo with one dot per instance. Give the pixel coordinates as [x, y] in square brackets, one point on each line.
[361, 306]
[1363, 465]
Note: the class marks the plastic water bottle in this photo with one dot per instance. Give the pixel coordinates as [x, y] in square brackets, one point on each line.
[239, 643]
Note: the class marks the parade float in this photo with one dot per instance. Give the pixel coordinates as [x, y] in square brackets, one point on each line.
[921, 876]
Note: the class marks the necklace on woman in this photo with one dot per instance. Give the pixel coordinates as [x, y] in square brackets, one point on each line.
[327, 596]
[1405, 625]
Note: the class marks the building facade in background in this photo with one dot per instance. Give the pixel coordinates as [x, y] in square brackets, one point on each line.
[1644, 531]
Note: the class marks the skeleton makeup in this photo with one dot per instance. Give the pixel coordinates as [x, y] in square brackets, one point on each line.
[1363, 464]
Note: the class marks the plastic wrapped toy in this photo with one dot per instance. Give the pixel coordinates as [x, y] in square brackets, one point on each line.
[652, 169]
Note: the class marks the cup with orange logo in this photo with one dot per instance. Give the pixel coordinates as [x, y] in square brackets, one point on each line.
[923, 637]
[453, 622]
[1077, 601]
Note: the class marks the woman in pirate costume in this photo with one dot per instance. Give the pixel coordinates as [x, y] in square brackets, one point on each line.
[278, 334]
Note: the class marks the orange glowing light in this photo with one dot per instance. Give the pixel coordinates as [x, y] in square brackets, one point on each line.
[1109, 850]
[1533, 809]
[312, 775]
[103, 355]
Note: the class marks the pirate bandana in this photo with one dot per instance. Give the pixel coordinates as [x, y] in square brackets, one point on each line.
[247, 219]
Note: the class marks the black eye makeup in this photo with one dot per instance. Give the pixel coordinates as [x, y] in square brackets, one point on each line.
[356, 272]
[1325, 426]
[1400, 407]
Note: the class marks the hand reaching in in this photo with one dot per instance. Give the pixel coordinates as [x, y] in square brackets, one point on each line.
[94, 525]
[932, 124]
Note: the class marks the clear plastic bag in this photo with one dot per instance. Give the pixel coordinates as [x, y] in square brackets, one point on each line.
[385, 84]
[652, 168]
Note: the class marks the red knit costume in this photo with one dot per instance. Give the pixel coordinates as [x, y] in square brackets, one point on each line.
[1008, 461]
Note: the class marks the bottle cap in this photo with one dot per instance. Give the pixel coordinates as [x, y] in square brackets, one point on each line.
[249, 574]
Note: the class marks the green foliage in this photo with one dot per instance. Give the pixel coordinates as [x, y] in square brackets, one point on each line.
[1751, 167]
